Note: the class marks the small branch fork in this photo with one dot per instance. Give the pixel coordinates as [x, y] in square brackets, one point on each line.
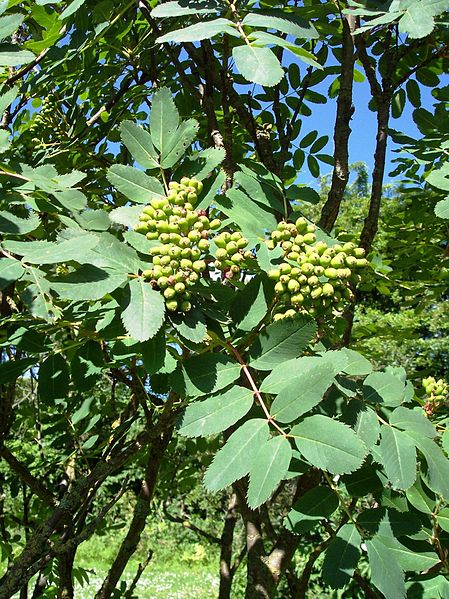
[255, 389]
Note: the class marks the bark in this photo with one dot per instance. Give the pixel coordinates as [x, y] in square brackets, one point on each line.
[342, 129]
[65, 571]
[140, 570]
[37, 546]
[40, 585]
[141, 511]
[227, 537]
[372, 220]
[264, 570]
[260, 138]
[34, 484]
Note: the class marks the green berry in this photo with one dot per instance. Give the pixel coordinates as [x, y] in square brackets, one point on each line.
[171, 305]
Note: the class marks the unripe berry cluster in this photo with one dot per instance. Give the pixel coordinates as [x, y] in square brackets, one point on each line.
[437, 392]
[183, 234]
[232, 254]
[314, 277]
[45, 127]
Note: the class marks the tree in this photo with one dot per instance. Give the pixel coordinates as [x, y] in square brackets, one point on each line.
[160, 281]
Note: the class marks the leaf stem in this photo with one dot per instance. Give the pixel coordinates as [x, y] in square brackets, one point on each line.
[255, 389]
[340, 498]
[164, 180]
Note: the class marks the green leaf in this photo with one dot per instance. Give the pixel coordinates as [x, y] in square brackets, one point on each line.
[88, 283]
[259, 190]
[216, 413]
[139, 241]
[176, 145]
[154, 352]
[251, 218]
[390, 521]
[417, 21]
[398, 455]
[206, 373]
[281, 341]
[134, 184]
[329, 444]
[414, 92]
[367, 426]
[386, 574]
[126, 215]
[8, 98]
[428, 587]
[313, 166]
[144, 314]
[236, 458]
[408, 559]
[164, 118]
[383, 387]
[437, 476]
[305, 393]
[258, 65]
[13, 369]
[53, 381]
[10, 270]
[445, 441]
[286, 374]
[355, 364]
[203, 163]
[251, 303]
[89, 443]
[175, 8]
[284, 22]
[139, 143]
[71, 9]
[412, 420]
[200, 31]
[363, 481]
[86, 365]
[93, 220]
[261, 38]
[420, 498]
[4, 140]
[191, 326]
[442, 208]
[443, 519]
[83, 411]
[342, 556]
[72, 199]
[439, 177]
[47, 252]
[308, 139]
[310, 509]
[11, 56]
[268, 469]
[37, 296]
[111, 253]
[426, 122]
[9, 24]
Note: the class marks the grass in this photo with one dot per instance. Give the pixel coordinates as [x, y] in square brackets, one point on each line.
[172, 582]
[189, 571]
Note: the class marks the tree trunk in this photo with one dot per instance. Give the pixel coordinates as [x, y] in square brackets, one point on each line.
[65, 568]
[372, 220]
[227, 537]
[342, 129]
[141, 511]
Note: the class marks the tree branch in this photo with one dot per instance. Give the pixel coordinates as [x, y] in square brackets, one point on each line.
[35, 485]
[342, 129]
